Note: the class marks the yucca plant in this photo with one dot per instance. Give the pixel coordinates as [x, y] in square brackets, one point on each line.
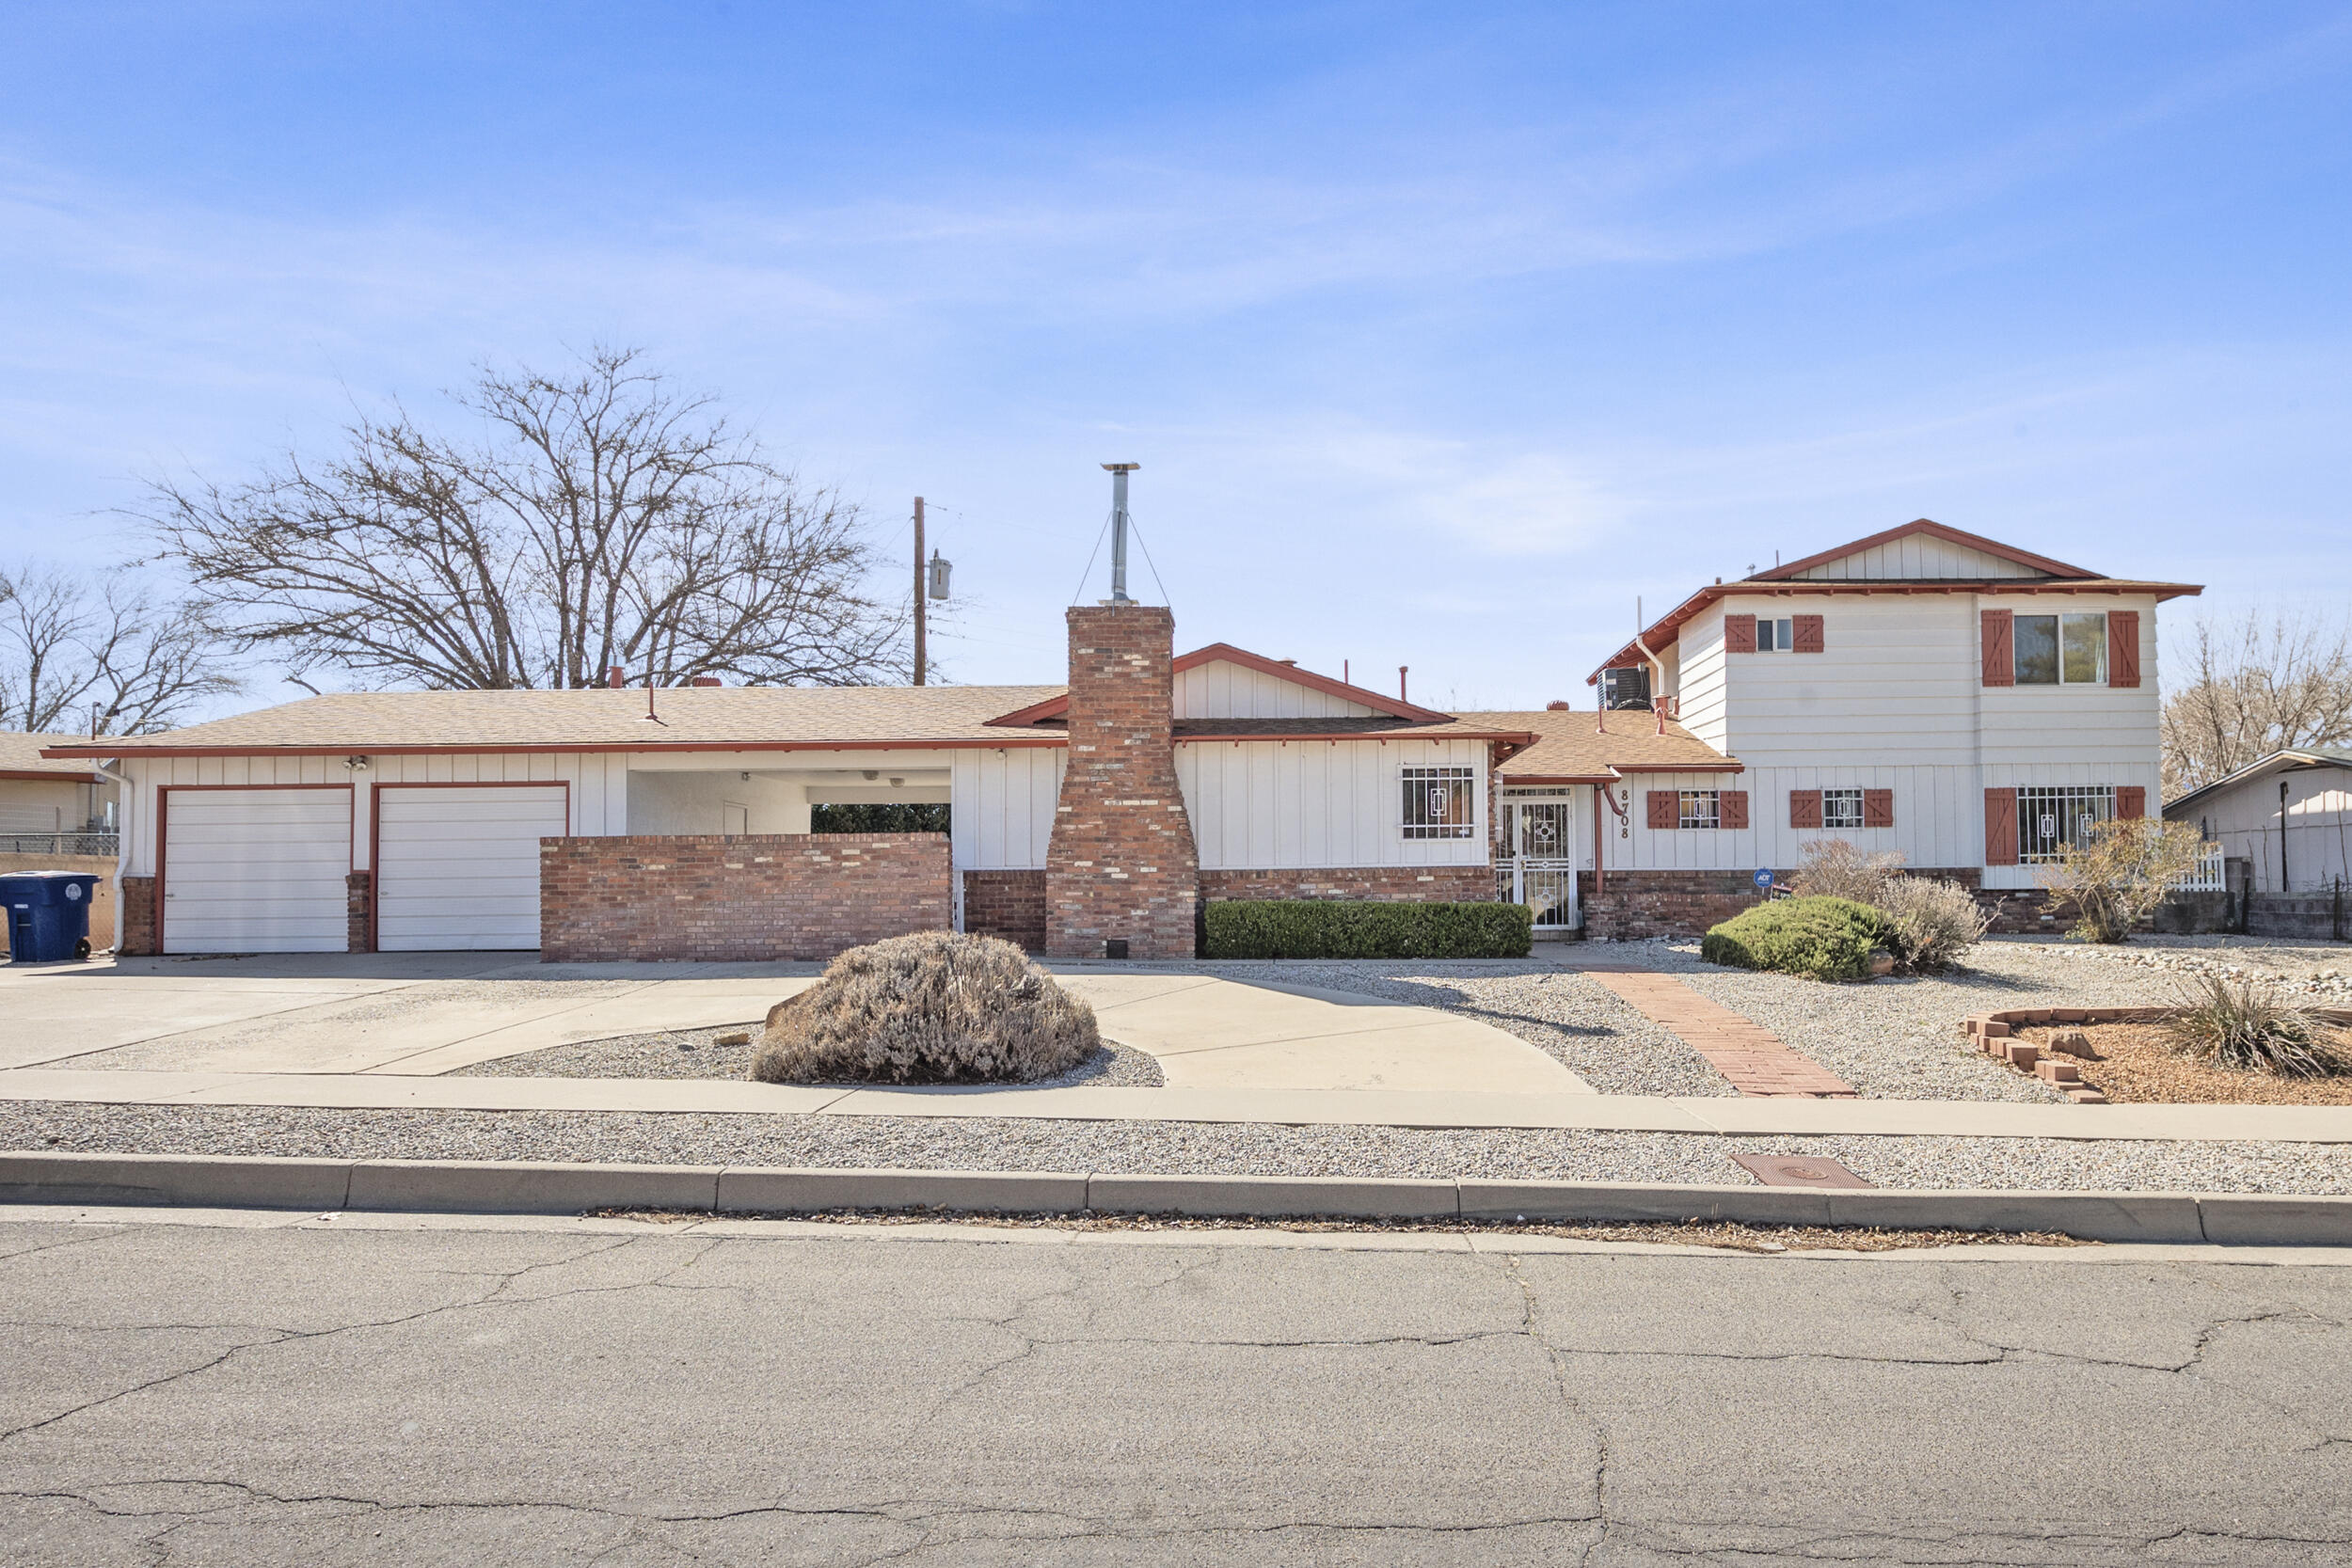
[2254, 1028]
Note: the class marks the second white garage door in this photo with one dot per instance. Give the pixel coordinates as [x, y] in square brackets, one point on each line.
[458, 867]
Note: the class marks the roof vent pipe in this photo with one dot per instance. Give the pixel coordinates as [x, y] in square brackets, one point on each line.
[1119, 472]
[617, 677]
[1658, 699]
[1400, 670]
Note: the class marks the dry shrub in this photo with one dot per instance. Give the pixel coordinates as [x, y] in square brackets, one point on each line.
[1834, 868]
[1930, 923]
[2253, 1028]
[2119, 871]
[1934, 922]
[936, 1007]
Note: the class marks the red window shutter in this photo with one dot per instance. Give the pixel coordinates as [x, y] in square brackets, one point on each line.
[2000, 826]
[1738, 634]
[2122, 648]
[2000, 668]
[1807, 632]
[1804, 808]
[1665, 809]
[2131, 802]
[1731, 808]
[1877, 808]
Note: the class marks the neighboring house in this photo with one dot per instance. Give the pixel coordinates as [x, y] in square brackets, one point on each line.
[43, 797]
[2289, 816]
[1092, 818]
[1963, 701]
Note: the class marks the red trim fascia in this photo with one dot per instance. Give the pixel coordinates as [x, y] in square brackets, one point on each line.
[375, 829]
[1673, 622]
[1934, 531]
[36, 775]
[1508, 738]
[1727, 765]
[163, 823]
[1396, 707]
[569, 749]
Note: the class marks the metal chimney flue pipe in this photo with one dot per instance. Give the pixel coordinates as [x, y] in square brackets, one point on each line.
[1119, 472]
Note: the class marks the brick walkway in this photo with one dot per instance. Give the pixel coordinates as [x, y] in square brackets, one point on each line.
[1743, 1050]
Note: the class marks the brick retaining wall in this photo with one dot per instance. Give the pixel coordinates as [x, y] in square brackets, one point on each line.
[1638, 904]
[1007, 904]
[1416, 884]
[766, 895]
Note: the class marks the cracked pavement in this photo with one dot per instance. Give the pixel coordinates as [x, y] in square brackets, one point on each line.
[382, 1390]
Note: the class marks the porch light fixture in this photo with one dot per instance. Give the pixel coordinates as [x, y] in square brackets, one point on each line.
[356, 764]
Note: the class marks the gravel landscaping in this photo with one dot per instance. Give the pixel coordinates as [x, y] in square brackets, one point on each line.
[2136, 1064]
[1165, 1147]
[697, 1054]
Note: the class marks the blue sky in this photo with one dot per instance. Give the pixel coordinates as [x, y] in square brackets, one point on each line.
[1441, 332]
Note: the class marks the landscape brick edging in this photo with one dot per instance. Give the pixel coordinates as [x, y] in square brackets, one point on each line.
[526, 1187]
[1995, 1034]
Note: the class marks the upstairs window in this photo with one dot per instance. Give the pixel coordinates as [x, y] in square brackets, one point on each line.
[1440, 803]
[1774, 637]
[2061, 650]
[1841, 808]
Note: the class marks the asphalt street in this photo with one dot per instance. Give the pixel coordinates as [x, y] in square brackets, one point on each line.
[369, 1389]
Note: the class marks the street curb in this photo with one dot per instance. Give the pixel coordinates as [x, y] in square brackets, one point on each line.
[462, 1186]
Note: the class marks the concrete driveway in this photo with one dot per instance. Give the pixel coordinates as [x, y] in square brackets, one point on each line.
[419, 1015]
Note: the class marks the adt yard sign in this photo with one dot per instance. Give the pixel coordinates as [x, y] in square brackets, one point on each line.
[1764, 878]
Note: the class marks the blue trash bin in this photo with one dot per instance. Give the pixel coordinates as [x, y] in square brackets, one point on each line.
[48, 913]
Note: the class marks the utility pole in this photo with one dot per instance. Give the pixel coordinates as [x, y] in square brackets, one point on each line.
[919, 591]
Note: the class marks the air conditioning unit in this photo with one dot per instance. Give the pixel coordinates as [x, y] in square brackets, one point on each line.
[1625, 688]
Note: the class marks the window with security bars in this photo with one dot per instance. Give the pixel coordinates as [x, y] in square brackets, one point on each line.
[1440, 803]
[2050, 816]
[1699, 808]
[1841, 808]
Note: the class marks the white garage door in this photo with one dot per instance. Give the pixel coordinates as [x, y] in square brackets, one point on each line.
[457, 867]
[255, 870]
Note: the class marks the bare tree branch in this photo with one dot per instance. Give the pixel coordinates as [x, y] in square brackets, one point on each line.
[2266, 682]
[606, 520]
[103, 650]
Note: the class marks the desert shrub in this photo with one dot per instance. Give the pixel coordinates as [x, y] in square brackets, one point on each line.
[1355, 929]
[2239, 1023]
[1931, 921]
[1821, 938]
[1834, 868]
[2119, 871]
[935, 1007]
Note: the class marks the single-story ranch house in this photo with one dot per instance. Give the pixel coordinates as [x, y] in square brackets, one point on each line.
[1922, 689]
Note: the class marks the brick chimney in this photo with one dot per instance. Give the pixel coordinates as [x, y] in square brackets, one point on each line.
[1120, 866]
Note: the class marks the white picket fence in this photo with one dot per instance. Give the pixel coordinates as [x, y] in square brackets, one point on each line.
[2208, 878]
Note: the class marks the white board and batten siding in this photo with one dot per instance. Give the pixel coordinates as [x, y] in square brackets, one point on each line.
[257, 870]
[1223, 690]
[457, 865]
[1004, 806]
[1919, 556]
[1262, 805]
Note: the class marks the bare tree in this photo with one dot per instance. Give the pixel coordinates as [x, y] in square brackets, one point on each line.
[603, 521]
[2264, 683]
[102, 651]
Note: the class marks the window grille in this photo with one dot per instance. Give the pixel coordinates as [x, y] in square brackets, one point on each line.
[1440, 803]
[1699, 808]
[1841, 808]
[2050, 816]
[1774, 637]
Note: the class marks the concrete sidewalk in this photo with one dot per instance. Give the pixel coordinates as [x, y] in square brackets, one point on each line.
[2323, 1124]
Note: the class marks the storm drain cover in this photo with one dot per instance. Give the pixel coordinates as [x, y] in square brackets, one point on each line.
[1797, 1170]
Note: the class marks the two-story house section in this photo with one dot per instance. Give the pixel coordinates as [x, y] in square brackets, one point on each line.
[1965, 702]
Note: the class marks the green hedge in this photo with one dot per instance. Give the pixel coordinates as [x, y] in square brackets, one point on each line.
[1341, 929]
[1827, 938]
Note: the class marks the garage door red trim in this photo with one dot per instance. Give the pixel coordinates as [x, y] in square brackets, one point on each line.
[376, 827]
[163, 829]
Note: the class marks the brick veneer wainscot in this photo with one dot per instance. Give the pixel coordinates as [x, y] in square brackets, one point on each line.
[1393, 884]
[763, 895]
[1120, 863]
[134, 918]
[1007, 904]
